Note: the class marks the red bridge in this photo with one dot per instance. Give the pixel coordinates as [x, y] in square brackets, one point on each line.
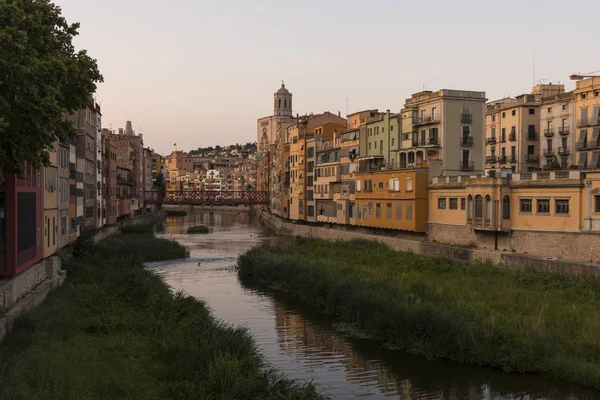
[217, 198]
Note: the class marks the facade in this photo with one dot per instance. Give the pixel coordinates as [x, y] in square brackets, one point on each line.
[557, 149]
[100, 180]
[587, 112]
[213, 181]
[382, 139]
[446, 125]
[267, 127]
[63, 194]
[50, 191]
[110, 172]
[392, 199]
[546, 213]
[297, 163]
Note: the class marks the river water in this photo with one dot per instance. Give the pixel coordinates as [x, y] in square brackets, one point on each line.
[305, 346]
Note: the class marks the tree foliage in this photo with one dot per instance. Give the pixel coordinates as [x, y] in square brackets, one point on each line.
[42, 77]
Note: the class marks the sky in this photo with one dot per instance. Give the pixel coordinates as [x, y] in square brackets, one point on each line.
[200, 73]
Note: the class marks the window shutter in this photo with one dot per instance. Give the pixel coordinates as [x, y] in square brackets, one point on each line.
[391, 184]
[409, 187]
[358, 185]
[397, 185]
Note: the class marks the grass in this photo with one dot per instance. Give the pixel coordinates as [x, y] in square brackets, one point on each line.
[176, 213]
[198, 229]
[520, 321]
[114, 330]
[136, 229]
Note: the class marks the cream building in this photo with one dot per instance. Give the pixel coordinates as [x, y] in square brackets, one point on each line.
[587, 112]
[557, 143]
[446, 125]
[266, 127]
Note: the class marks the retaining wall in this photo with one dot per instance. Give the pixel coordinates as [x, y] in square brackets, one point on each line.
[507, 259]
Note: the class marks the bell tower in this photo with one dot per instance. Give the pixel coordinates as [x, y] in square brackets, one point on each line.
[283, 102]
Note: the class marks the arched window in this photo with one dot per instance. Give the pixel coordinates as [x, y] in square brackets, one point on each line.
[478, 206]
[470, 207]
[488, 208]
[506, 207]
[279, 103]
[285, 103]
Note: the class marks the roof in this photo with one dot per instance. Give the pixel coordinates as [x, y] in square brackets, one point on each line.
[283, 90]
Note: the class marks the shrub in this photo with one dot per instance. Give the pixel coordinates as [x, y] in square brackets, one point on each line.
[517, 320]
[137, 229]
[198, 229]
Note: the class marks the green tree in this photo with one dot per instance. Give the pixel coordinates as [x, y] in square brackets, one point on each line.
[41, 77]
[159, 181]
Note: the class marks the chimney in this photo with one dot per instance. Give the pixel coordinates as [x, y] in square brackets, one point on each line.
[128, 128]
[120, 131]
[339, 113]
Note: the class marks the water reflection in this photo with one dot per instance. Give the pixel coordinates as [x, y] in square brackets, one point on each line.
[305, 346]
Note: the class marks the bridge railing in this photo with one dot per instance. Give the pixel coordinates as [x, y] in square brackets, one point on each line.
[240, 197]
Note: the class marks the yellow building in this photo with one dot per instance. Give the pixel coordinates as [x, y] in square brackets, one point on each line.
[297, 165]
[587, 111]
[392, 199]
[50, 199]
[546, 213]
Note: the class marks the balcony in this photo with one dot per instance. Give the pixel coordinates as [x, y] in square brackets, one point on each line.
[532, 135]
[532, 158]
[591, 121]
[512, 159]
[466, 118]
[466, 165]
[426, 120]
[563, 130]
[549, 132]
[502, 160]
[563, 151]
[549, 153]
[491, 159]
[512, 137]
[433, 141]
[490, 140]
[582, 145]
[466, 141]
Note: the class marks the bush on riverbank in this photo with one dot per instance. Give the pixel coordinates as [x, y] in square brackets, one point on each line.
[137, 229]
[114, 330]
[176, 213]
[198, 229]
[521, 321]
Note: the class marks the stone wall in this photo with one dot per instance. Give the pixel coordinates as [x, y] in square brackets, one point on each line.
[582, 247]
[507, 259]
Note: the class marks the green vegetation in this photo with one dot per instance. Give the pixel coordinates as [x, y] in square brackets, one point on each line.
[198, 229]
[137, 229]
[520, 321]
[176, 213]
[43, 77]
[114, 330]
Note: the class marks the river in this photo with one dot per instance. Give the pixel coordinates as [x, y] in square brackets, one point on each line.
[306, 346]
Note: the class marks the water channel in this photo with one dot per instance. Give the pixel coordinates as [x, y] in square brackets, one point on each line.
[305, 346]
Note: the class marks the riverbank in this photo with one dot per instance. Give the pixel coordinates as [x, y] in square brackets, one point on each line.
[519, 320]
[115, 331]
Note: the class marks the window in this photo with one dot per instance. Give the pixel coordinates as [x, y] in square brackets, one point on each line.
[503, 115]
[597, 204]
[409, 211]
[478, 206]
[388, 211]
[375, 144]
[392, 140]
[503, 137]
[454, 204]
[532, 111]
[543, 206]
[561, 206]
[549, 109]
[51, 180]
[369, 146]
[493, 117]
[564, 107]
[377, 210]
[442, 203]
[392, 129]
[462, 203]
[409, 185]
[370, 206]
[526, 205]
[381, 185]
[399, 209]
[310, 152]
[301, 207]
[506, 207]
[514, 112]
[63, 225]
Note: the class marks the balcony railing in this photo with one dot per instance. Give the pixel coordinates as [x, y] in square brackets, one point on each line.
[467, 165]
[549, 153]
[532, 158]
[591, 121]
[563, 151]
[466, 141]
[563, 130]
[502, 160]
[426, 119]
[582, 145]
[432, 141]
[549, 132]
[490, 140]
[512, 159]
[466, 118]
[512, 137]
[531, 135]
[491, 159]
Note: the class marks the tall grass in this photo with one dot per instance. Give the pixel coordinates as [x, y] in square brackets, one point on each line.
[114, 330]
[520, 321]
[198, 229]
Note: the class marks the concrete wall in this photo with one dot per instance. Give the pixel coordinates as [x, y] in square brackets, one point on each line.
[507, 259]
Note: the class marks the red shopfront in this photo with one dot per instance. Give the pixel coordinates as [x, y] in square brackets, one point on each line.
[21, 211]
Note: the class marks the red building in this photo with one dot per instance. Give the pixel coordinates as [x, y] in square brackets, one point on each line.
[21, 211]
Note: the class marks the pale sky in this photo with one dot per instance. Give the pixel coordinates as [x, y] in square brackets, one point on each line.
[200, 73]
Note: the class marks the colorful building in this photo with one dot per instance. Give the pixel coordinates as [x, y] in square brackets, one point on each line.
[587, 111]
[49, 176]
[557, 119]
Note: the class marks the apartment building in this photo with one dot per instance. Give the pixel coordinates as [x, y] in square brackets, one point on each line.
[63, 193]
[327, 180]
[391, 199]
[110, 173]
[445, 125]
[542, 213]
[297, 163]
[587, 111]
[349, 156]
[75, 193]
[381, 139]
[100, 179]
[361, 118]
[557, 119]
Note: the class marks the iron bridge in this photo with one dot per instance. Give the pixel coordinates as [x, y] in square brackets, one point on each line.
[203, 197]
